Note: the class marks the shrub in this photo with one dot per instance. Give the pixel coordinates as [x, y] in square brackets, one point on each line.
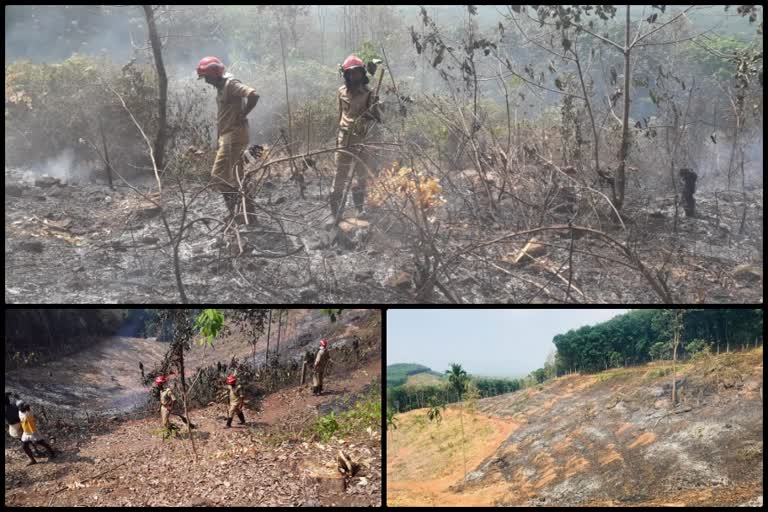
[49, 107]
[326, 426]
[698, 346]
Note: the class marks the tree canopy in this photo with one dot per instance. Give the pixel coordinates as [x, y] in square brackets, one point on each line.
[644, 334]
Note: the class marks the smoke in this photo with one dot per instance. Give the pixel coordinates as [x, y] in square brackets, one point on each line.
[65, 167]
[711, 163]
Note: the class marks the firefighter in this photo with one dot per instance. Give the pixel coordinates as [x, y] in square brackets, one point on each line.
[167, 404]
[236, 400]
[232, 129]
[357, 108]
[321, 361]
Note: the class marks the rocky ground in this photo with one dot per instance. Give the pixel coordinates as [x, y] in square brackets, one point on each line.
[84, 243]
[613, 439]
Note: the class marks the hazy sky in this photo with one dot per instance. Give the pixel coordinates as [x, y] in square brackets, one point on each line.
[503, 342]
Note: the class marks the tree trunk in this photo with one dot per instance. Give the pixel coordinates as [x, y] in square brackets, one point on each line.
[269, 330]
[180, 361]
[619, 199]
[279, 327]
[162, 82]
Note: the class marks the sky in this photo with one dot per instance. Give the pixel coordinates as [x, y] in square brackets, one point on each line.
[493, 342]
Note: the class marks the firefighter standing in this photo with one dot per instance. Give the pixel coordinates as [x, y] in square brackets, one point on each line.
[321, 361]
[236, 401]
[357, 108]
[232, 128]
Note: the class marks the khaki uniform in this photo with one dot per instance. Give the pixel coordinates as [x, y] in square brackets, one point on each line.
[321, 361]
[167, 399]
[356, 112]
[233, 132]
[236, 399]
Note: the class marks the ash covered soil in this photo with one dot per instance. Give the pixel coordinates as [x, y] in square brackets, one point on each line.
[85, 243]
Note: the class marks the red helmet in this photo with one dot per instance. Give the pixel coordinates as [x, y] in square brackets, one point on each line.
[352, 62]
[160, 380]
[210, 66]
[231, 379]
[323, 343]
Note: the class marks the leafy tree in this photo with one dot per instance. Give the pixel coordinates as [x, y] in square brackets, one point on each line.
[539, 375]
[457, 379]
[697, 346]
[642, 335]
[661, 350]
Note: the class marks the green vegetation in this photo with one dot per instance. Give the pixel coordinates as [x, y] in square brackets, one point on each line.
[366, 414]
[613, 374]
[643, 335]
[209, 323]
[172, 432]
[659, 372]
[326, 426]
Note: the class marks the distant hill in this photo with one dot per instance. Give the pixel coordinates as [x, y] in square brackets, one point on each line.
[398, 374]
[424, 379]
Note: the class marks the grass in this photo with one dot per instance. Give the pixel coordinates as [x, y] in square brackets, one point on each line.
[366, 414]
[658, 372]
[750, 452]
[614, 373]
[171, 432]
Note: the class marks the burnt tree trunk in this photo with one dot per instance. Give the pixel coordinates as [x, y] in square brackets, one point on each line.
[162, 82]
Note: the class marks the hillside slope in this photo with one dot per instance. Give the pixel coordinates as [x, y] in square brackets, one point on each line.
[106, 374]
[281, 457]
[611, 439]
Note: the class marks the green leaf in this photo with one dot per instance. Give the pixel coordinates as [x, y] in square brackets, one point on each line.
[209, 323]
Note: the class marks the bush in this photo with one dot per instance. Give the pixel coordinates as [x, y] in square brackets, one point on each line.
[50, 107]
[695, 347]
[326, 426]
[366, 414]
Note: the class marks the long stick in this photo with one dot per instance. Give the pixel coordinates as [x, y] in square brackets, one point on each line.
[106, 155]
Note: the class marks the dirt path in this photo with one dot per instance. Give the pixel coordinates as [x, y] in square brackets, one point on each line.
[421, 472]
